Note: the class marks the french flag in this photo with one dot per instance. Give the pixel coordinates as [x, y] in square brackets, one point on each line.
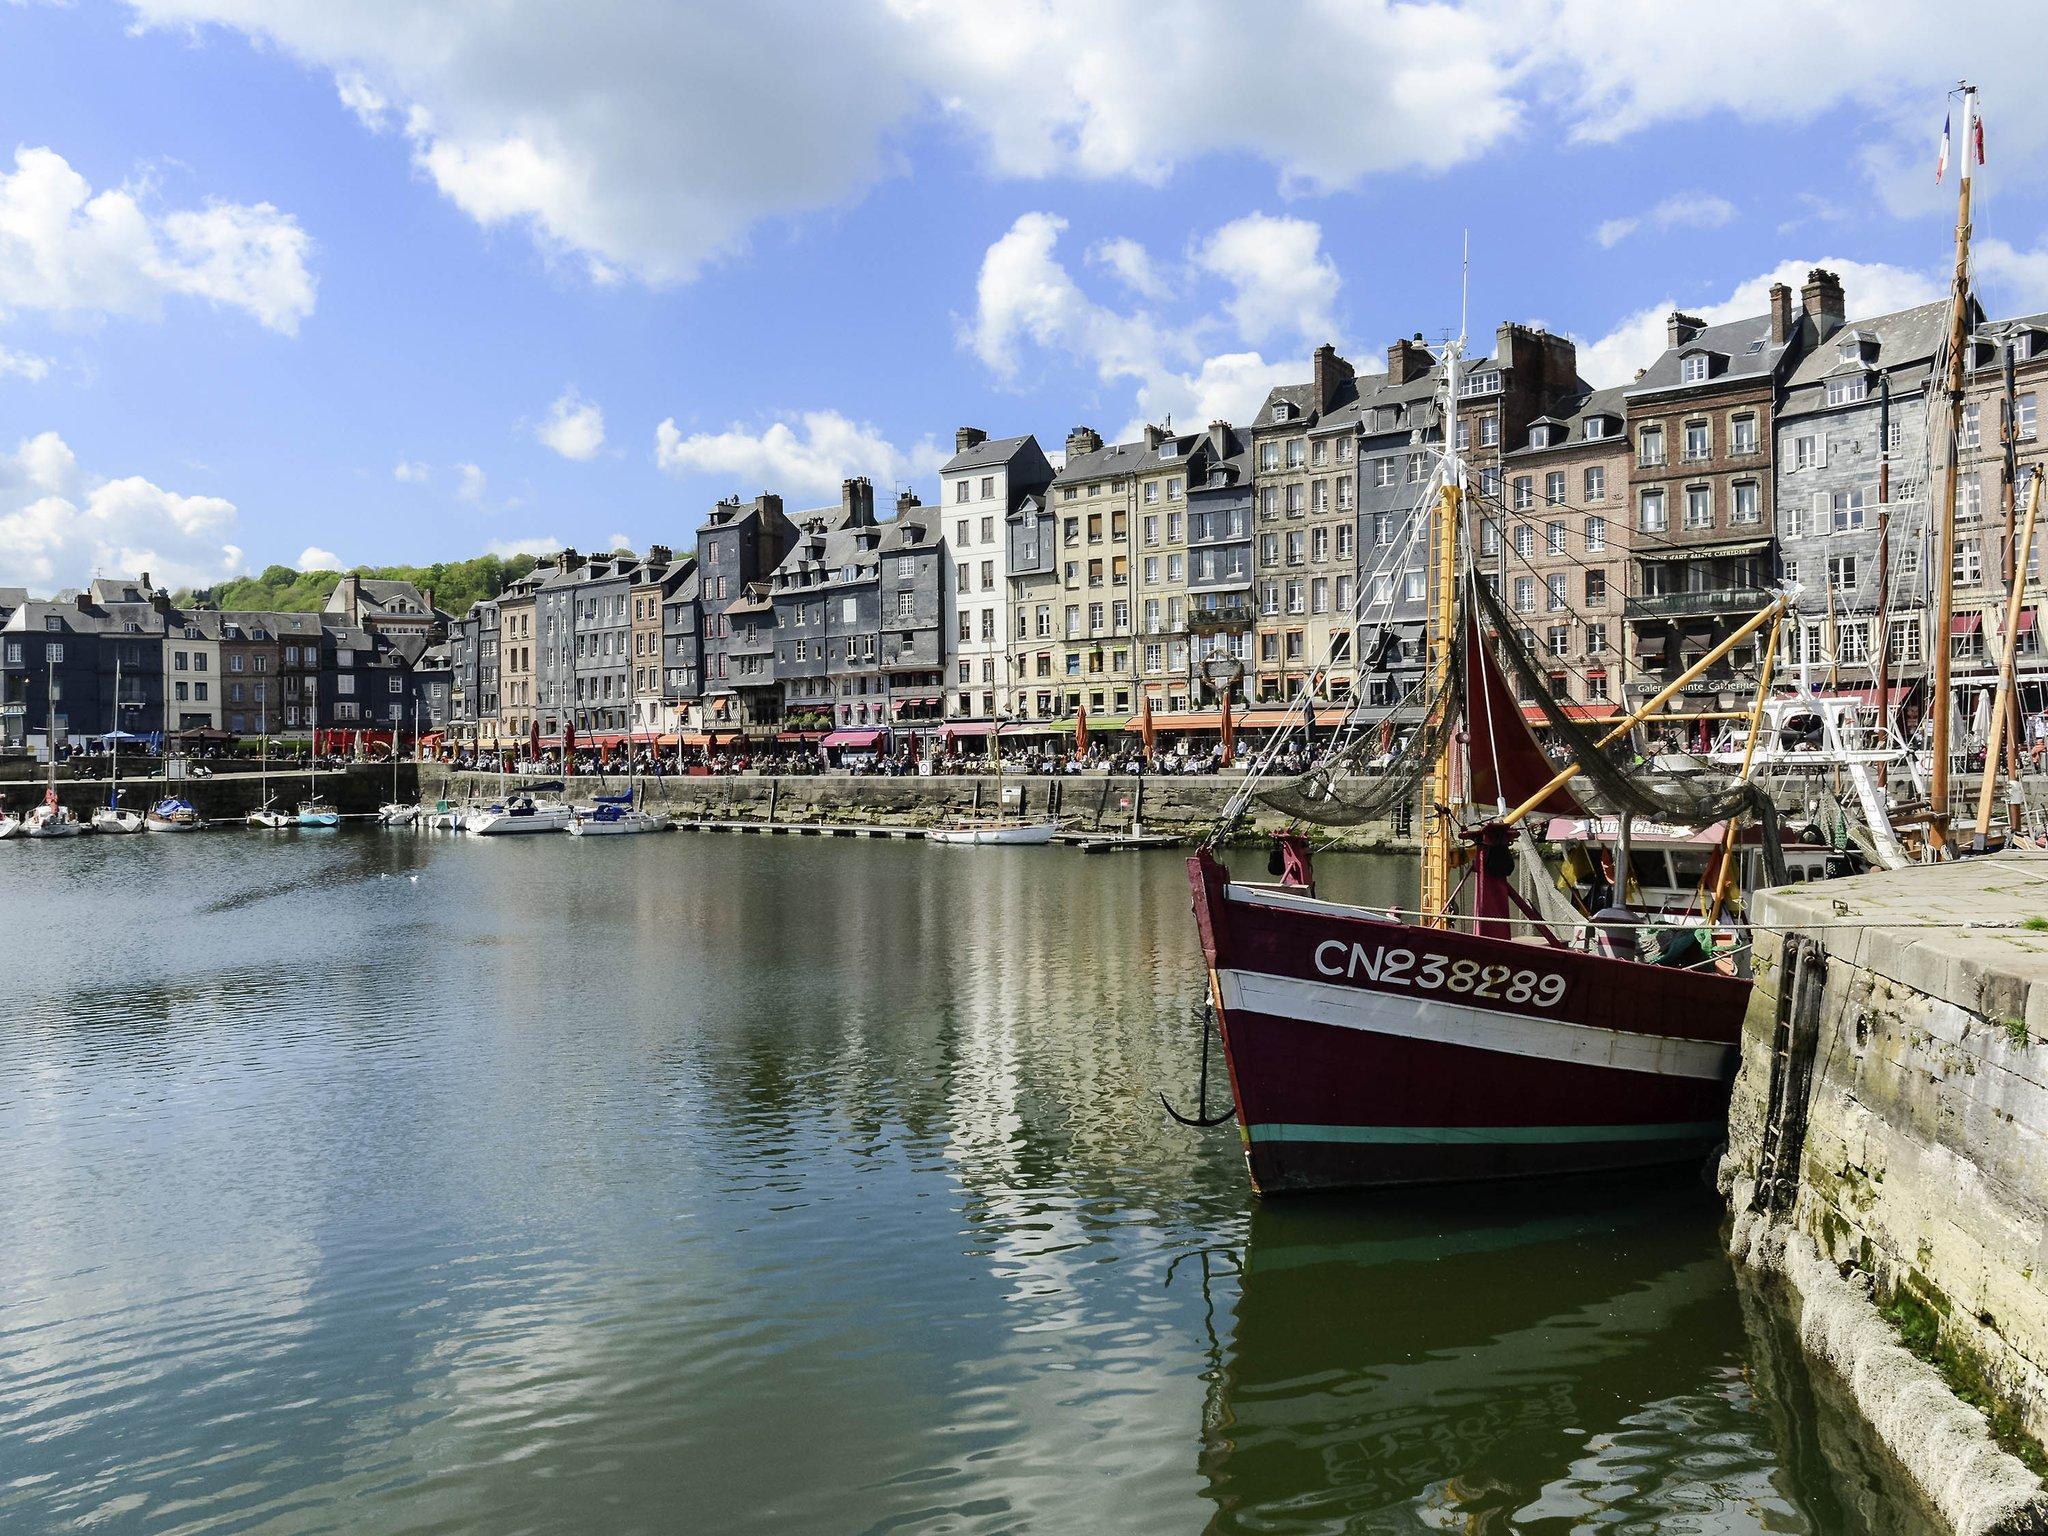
[1941, 160]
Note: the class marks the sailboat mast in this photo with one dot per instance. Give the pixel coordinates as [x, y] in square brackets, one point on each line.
[1437, 832]
[1884, 564]
[114, 789]
[1945, 538]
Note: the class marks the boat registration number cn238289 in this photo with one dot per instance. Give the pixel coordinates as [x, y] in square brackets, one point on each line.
[1394, 965]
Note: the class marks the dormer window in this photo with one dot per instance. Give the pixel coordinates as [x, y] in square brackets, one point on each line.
[1596, 427]
[1168, 448]
[1282, 411]
[1848, 389]
[1485, 382]
[1692, 368]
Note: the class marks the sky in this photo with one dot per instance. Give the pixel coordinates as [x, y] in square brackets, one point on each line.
[326, 282]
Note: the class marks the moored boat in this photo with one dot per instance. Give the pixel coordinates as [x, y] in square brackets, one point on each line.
[317, 812]
[173, 813]
[614, 816]
[994, 833]
[10, 825]
[518, 815]
[114, 817]
[51, 820]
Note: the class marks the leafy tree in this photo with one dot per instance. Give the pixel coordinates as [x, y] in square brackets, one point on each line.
[457, 585]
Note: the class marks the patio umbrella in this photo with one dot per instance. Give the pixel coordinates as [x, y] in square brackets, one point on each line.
[568, 748]
[533, 742]
[1229, 733]
[1080, 730]
[1147, 732]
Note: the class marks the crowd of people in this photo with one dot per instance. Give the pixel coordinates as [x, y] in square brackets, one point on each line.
[789, 760]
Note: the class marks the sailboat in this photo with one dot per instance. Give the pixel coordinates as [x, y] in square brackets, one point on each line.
[314, 810]
[267, 816]
[615, 815]
[1369, 1047]
[395, 812]
[113, 816]
[51, 819]
[997, 829]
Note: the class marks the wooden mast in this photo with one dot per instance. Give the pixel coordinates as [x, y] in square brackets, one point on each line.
[1438, 854]
[1945, 539]
[2001, 714]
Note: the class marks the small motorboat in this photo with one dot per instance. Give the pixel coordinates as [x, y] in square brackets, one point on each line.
[173, 813]
[614, 815]
[397, 814]
[317, 812]
[51, 820]
[115, 817]
[441, 816]
[518, 814]
[269, 818]
[10, 825]
[980, 834]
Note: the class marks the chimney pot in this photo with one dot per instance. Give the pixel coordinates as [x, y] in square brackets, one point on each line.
[1781, 314]
[1822, 298]
[1681, 328]
[965, 438]
[1332, 373]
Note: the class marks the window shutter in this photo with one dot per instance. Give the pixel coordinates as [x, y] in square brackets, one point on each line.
[1820, 450]
[1823, 510]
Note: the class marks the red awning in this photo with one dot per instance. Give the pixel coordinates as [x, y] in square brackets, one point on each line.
[1966, 623]
[1533, 713]
[604, 743]
[799, 735]
[2027, 619]
[965, 728]
[667, 741]
[858, 739]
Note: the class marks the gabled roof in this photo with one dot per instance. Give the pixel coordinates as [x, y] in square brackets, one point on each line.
[1746, 344]
[1573, 415]
[1902, 344]
[991, 454]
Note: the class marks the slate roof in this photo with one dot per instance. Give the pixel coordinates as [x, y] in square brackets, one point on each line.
[996, 451]
[1746, 344]
[1572, 416]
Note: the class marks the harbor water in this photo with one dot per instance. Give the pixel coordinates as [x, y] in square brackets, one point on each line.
[380, 1182]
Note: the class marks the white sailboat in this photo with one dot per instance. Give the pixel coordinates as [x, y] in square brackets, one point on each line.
[395, 812]
[51, 819]
[267, 816]
[113, 816]
[314, 811]
[995, 830]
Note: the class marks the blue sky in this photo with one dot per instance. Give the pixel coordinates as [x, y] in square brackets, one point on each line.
[280, 275]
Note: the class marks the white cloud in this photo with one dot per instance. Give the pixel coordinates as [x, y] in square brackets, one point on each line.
[505, 549]
[618, 541]
[472, 484]
[314, 558]
[60, 525]
[1026, 302]
[1869, 288]
[1132, 264]
[67, 250]
[1682, 210]
[805, 462]
[24, 365]
[574, 427]
[409, 472]
[1283, 284]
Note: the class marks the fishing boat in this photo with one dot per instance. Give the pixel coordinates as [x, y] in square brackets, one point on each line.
[613, 816]
[996, 830]
[173, 813]
[1485, 1033]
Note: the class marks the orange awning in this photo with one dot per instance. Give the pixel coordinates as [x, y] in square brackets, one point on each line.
[1195, 721]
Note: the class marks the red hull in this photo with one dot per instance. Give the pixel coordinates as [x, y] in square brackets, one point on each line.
[1364, 1051]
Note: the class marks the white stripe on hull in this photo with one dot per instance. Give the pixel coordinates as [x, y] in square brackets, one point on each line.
[1486, 1029]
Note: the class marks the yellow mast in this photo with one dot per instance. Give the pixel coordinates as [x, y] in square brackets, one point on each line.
[1945, 539]
[2010, 637]
[1438, 852]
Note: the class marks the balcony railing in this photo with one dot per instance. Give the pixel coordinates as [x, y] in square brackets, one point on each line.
[1208, 621]
[1673, 605]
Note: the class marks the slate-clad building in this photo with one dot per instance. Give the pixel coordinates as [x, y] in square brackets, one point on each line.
[1220, 614]
[737, 548]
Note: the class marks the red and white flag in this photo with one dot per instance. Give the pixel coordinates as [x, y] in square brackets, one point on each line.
[1941, 160]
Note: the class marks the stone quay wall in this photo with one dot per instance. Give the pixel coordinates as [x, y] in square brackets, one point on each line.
[356, 790]
[1888, 1160]
[1181, 806]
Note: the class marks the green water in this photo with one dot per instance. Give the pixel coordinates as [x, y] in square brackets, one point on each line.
[388, 1182]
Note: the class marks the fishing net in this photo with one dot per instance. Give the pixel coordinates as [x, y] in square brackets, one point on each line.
[1346, 788]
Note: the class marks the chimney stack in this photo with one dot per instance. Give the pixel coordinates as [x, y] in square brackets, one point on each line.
[1821, 297]
[1781, 314]
[1408, 360]
[1332, 374]
[427, 597]
[905, 501]
[1219, 439]
[857, 496]
[145, 584]
[1154, 436]
[659, 554]
[1083, 440]
[965, 438]
[1681, 328]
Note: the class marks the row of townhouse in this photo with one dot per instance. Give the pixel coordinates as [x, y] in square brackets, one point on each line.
[120, 655]
[1627, 529]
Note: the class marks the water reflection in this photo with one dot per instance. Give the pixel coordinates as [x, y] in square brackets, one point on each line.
[380, 1183]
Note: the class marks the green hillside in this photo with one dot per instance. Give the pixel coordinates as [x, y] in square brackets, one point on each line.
[455, 584]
